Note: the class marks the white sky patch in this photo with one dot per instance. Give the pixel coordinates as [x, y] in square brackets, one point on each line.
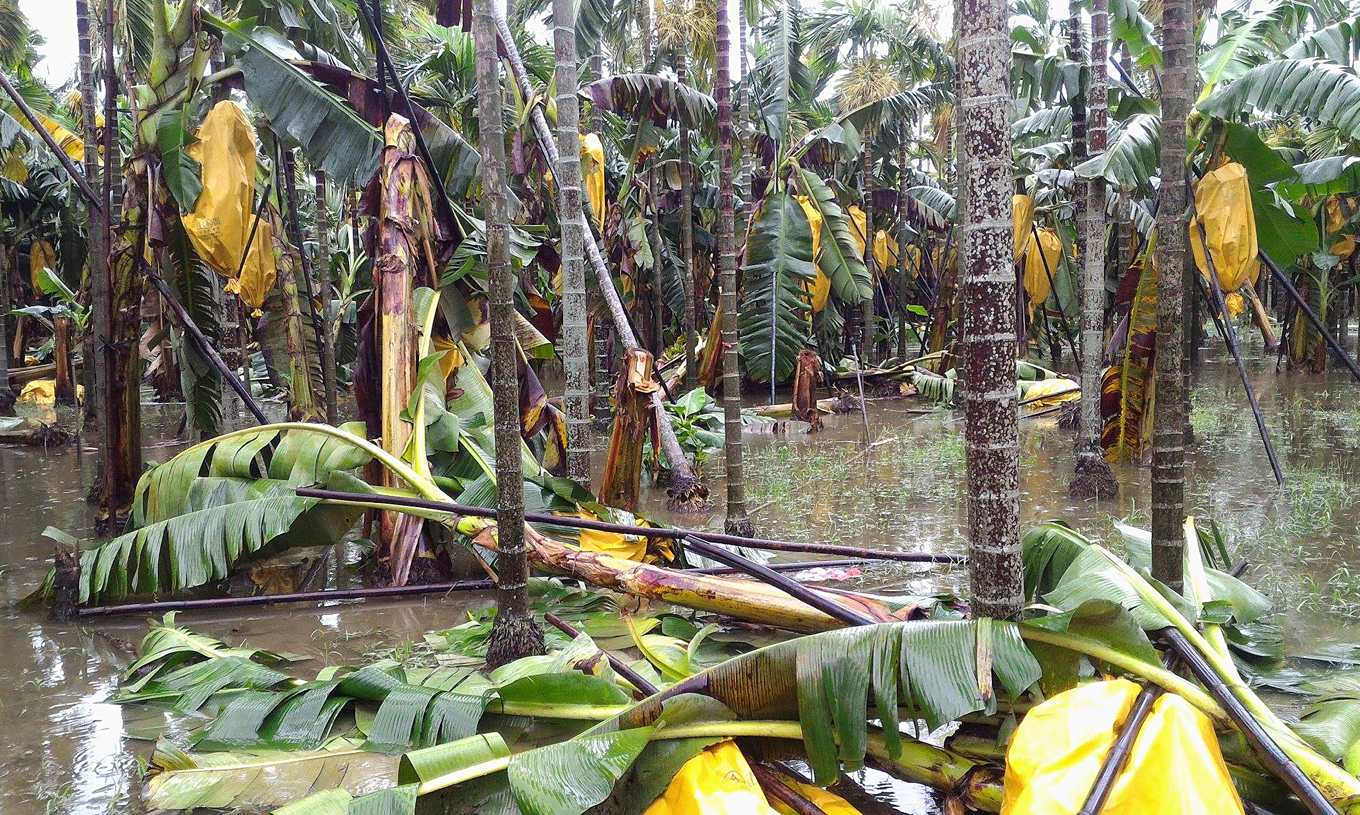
[55, 20]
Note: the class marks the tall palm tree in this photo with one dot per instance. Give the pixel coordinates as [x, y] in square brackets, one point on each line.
[737, 521]
[95, 230]
[571, 217]
[514, 633]
[989, 314]
[1168, 430]
[1093, 478]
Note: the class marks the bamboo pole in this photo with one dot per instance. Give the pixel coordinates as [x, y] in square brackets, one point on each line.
[1119, 753]
[1288, 286]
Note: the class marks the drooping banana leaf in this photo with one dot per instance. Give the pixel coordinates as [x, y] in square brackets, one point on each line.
[773, 321]
[657, 98]
[1126, 388]
[1315, 88]
[1133, 155]
[1338, 43]
[838, 258]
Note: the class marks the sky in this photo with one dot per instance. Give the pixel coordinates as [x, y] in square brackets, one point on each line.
[56, 21]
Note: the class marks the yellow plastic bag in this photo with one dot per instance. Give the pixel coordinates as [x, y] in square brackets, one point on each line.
[1022, 211]
[41, 256]
[821, 286]
[1223, 203]
[857, 228]
[1041, 261]
[717, 781]
[1235, 304]
[1174, 768]
[885, 250]
[220, 223]
[592, 174]
[43, 392]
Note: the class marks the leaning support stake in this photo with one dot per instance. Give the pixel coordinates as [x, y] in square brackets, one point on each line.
[1230, 339]
[1265, 748]
[1119, 753]
[81, 183]
[205, 347]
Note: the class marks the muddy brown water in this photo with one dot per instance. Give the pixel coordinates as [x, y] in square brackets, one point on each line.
[65, 750]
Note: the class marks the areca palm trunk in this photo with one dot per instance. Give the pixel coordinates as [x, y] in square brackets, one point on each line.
[514, 633]
[1092, 477]
[866, 342]
[1168, 420]
[571, 216]
[686, 234]
[989, 314]
[737, 521]
[903, 271]
[97, 258]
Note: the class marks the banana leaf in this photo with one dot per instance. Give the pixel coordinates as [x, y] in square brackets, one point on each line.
[838, 258]
[1126, 388]
[774, 318]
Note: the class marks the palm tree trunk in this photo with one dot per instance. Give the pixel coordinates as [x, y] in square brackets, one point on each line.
[686, 492]
[866, 341]
[903, 269]
[324, 225]
[6, 391]
[737, 522]
[96, 256]
[603, 376]
[1168, 439]
[988, 288]
[686, 235]
[1093, 477]
[571, 216]
[514, 633]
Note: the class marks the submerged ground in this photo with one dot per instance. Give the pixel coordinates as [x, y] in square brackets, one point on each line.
[65, 751]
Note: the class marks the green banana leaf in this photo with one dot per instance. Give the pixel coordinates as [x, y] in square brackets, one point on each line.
[774, 318]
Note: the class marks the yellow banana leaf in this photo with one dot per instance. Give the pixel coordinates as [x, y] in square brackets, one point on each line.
[1339, 209]
[41, 256]
[13, 166]
[821, 286]
[1174, 767]
[1046, 250]
[592, 174]
[1127, 388]
[1022, 212]
[1044, 393]
[885, 250]
[220, 223]
[717, 781]
[1223, 205]
[69, 142]
[857, 228]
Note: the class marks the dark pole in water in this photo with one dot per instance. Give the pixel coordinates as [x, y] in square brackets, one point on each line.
[1052, 287]
[673, 533]
[324, 596]
[1265, 748]
[1230, 339]
[205, 347]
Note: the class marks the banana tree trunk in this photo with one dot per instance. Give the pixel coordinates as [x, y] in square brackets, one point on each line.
[514, 633]
[737, 522]
[401, 250]
[989, 314]
[620, 484]
[64, 385]
[729, 596]
[1169, 413]
[302, 403]
[686, 492]
[123, 410]
[1093, 477]
[571, 216]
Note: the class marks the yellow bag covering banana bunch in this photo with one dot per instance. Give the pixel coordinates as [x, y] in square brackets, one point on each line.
[857, 228]
[821, 286]
[592, 174]
[1174, 768]
[885, 246]
[1235, 303]
[41, 256]
[825, 800]
[1046, 250]
[1223, 205]
[885, 250]
[220, 223]
[1022, 210]
[43, 392]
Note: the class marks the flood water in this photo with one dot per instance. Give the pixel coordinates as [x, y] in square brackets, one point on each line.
[66, 751]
